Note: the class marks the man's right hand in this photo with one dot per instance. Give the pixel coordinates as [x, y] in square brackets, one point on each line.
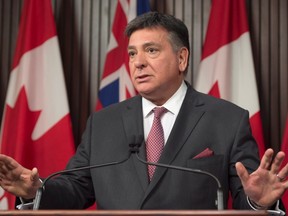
[16, 179]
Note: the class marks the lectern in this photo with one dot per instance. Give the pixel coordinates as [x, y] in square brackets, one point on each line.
[132, 213]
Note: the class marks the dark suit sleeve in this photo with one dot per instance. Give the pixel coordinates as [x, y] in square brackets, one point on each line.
[244, 150]
[74, 190]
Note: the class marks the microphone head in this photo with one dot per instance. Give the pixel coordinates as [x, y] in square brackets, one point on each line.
[135, 143]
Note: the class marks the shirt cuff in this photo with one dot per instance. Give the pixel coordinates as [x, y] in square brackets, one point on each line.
[276, 211]
[25, 205]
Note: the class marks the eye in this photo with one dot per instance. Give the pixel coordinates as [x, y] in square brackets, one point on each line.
[131, 53]
[152, 50]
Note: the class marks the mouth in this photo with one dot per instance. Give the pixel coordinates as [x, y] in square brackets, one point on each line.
[142, 78]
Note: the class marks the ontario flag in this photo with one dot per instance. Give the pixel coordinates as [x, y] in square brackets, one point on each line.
[36, 126]
[227, 69]
[284, 148]
[116, 84]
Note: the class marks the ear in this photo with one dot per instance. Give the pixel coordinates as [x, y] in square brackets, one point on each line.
[183, 55]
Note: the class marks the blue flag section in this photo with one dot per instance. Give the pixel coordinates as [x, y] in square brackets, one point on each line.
[143, 6]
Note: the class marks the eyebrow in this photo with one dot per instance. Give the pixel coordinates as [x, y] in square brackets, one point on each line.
[145, 45]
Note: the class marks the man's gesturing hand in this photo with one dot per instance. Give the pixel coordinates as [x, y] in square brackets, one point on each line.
[18, 180]
[268, 183]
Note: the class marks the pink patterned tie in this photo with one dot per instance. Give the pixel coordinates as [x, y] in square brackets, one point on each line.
[155, 140]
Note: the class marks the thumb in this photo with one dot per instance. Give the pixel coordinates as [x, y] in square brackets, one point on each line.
[34, 175]
[242, 172]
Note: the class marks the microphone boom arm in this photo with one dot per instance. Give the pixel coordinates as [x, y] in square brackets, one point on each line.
[219, 201]
[40, 190]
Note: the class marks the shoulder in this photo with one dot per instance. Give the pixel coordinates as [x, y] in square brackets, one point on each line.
[214, 108]
[213, 103]
[116, 109]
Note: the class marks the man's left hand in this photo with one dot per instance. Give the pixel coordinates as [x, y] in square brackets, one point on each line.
[268, 183]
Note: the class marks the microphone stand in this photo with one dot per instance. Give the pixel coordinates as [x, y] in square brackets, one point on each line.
[42, 188]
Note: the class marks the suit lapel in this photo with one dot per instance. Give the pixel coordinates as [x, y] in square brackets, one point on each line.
[133, 125]
[188, 117]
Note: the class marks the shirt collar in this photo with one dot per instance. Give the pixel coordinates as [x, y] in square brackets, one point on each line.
[172, 105]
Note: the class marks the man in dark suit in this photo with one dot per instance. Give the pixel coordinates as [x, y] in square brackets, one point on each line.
[200, 132]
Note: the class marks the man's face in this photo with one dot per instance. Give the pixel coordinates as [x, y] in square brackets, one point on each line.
[156, 70]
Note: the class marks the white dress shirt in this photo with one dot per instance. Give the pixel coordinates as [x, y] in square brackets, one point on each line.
[173, 106]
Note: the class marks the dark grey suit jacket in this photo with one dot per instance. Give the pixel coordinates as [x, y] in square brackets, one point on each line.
[203, 122]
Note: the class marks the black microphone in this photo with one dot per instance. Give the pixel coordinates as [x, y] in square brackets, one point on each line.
[134, 148]
[40, 190]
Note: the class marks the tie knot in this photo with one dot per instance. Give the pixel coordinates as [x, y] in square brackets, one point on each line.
[159, 111]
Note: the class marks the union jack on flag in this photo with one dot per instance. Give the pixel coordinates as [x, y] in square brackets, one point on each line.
[116, 84]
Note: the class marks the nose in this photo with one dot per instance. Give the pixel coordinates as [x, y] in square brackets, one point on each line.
[140, 61]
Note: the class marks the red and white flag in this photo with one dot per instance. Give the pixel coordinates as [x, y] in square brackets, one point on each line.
[36, 127]
[227, 68]
[284, 148]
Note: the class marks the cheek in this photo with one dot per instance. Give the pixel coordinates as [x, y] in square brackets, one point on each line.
[170, 68]
[131, 69]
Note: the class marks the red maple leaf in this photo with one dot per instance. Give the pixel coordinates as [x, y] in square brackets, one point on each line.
[50, 152]
[18, 126]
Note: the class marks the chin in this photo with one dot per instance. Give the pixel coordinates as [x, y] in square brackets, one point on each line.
[143, 88]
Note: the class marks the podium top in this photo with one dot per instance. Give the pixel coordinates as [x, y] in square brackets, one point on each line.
[133, 212]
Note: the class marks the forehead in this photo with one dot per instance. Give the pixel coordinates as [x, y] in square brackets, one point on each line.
[148, 35]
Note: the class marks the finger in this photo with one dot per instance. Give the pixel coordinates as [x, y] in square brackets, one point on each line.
[5, 183]
[2, 176]
[7, 165]
[277, 162]
[3, 169]
[242, 172]
[283, 173]
[4, 159]
[35, 178]
[8, 161]
[266, 159]
[34, 174]
[11, 164]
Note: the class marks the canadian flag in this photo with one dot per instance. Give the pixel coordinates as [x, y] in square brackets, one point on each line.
[227, 69]
[36, 126]
[284, 148]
